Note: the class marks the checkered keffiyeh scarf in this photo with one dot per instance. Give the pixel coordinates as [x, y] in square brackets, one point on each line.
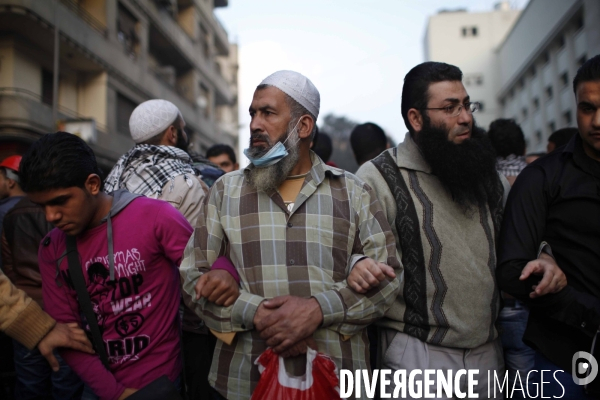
[511, 165]
[146, 169]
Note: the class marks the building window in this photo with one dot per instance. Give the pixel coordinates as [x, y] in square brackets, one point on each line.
[567, 118]
[546, 57]
[125, 107]
[532, 71]
[579, 23]
[524, 112]
[536, 103]
[481, 106]
[205, 41]
[561, 41]
[581, 60]
[47, 87]
[552, 127]
[521, 83]
[473, 79]
[205, 100]
[538, 136]
[549, 92]
[127, 31]
[564, 78]
[469, 31]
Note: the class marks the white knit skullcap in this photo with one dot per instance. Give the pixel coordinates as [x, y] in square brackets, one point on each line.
[298, 87]
[151, 118]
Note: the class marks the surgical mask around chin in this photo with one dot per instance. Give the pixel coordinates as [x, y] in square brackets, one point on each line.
[273, 156]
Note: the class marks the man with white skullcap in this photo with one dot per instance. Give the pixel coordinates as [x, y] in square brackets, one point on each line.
[293, 228]
[158, 166]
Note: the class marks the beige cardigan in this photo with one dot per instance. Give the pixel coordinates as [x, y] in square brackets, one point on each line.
[20, 317]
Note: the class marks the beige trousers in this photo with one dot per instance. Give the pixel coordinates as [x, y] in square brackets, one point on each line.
[400, 351]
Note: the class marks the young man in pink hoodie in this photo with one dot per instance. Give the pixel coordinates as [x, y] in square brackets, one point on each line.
[129, 249]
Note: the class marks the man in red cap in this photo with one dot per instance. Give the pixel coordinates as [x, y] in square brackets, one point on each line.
[10, 191]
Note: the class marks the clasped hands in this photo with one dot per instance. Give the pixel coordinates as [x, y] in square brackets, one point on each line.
[287, 324]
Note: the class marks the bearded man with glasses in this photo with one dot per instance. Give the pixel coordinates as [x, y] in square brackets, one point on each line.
[441, 194]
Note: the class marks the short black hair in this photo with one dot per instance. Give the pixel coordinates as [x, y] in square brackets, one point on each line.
[589, 71]
[415, 92]
[507, 137]
[368, 140]
[323, 146]
[562, 136]
[57, 160]
[219, 149]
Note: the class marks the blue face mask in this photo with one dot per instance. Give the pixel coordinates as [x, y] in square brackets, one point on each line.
[271, 157]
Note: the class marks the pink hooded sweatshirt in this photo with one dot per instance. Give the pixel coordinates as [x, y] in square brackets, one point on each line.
[137, 311]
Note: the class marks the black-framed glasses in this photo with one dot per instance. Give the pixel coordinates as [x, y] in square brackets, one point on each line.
[454, 110]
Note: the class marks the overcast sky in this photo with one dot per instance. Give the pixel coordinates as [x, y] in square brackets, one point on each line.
[356, 52]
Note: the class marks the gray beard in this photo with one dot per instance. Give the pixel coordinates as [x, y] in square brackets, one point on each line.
[271, 177]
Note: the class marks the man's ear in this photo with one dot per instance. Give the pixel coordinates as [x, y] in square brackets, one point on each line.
[172, 135]
[93, 183]
[305, 126]
[415, 119]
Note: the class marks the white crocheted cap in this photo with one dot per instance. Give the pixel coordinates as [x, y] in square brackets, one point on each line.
[298, 87]
[151, 118]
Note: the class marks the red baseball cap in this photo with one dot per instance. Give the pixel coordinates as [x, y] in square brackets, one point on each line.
[11, 162]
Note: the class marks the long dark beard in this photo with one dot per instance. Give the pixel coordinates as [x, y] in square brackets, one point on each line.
[467, 170]
[271, 177]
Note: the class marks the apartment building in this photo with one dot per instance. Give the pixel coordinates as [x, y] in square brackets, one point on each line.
[112, 55]
[469, 40]
[538, 61]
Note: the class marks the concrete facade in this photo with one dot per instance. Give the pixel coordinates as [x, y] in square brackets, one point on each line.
[113, 55]
[469, 40]
[538, 61]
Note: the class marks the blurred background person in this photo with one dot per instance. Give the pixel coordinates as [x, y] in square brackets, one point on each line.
[10, 190]
[368, 140]
[531, 157]
[323, 147]
[560, 138]
[224, 157]
[509, 142]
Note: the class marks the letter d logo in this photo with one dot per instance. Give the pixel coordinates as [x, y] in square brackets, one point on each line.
[584, 368]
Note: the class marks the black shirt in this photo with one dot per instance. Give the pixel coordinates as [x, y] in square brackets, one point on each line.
[556, 199]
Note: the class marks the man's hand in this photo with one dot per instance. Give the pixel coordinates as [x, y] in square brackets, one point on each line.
[126, 393]
[553, 279]
[292, 320]
[217, 286]
[69, 335]
[300, 348]
[367, 274]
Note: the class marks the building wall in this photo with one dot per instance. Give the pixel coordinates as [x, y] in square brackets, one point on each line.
[538, 62]
[160, 53]
[469, 41]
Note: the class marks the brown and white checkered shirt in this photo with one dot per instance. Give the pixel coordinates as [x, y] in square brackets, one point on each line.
[308, 252]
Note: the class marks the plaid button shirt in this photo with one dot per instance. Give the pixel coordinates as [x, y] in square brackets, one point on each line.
[308, 252]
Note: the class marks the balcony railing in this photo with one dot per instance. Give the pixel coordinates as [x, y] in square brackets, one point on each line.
[29, 95]
[86, 16]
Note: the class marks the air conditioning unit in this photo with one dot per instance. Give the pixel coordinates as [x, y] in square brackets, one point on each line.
[84, 128]
[167, 74]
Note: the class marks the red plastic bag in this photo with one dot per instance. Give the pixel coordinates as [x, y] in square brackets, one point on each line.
[320, 381]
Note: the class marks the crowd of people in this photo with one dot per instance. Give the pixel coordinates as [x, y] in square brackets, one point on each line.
[449, 251]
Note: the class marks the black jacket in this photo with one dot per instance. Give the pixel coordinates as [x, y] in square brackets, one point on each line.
[556, 199]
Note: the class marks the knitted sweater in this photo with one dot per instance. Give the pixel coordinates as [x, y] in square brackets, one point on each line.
[454, 301]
